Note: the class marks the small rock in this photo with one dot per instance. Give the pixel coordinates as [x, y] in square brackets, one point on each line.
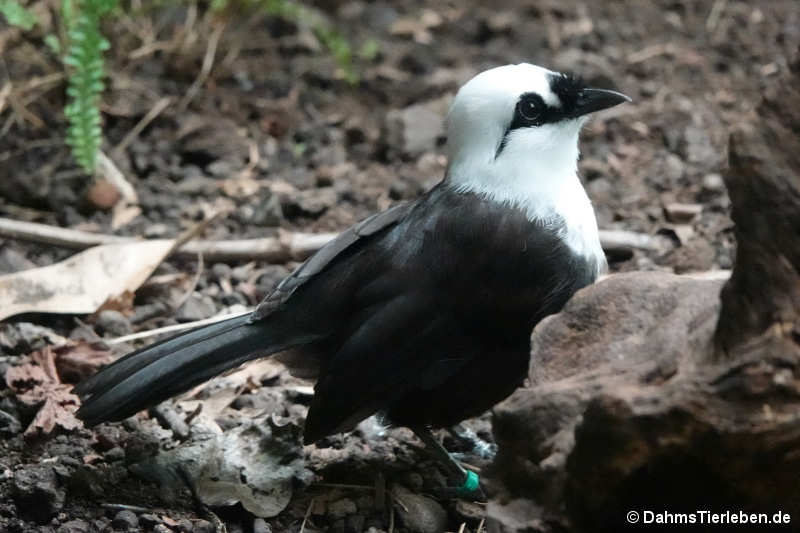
[102, 195]
[260, 526]
[13, 261]
[113, 323]
[149, 520]
[197, 185]
[712, 183]
[268, 212]
[203, 526]
[273, 274]
[309, 203]
[679, 213]
[148, 311]
[114, 454]
[470, 511]
[74, 526]
[417, 128]
[125, 520]
[221, 271]
[414, 481]
[161, 528]
[156, 231]
[185, 526]
[674, 168]
[354, 523]
[419, 513]
[196, 307]
[223, 168]
[36, 491]
[398, 190]
[342, 508]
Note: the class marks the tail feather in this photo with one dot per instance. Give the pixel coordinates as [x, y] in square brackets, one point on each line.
[157, 372]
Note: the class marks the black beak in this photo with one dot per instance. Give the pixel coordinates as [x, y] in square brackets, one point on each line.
[591, 100]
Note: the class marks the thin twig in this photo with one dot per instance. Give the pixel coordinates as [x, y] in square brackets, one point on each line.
[480, 525]
[345, 486]
[391, 514]
[205, 69]
[151, 115]
[286, 247]
[112, 174]
[193, 286]
[126, 507]
[174, 327]
[463, 526]
[308, 513]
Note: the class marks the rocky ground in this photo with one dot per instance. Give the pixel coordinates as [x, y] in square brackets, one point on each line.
[278, 138]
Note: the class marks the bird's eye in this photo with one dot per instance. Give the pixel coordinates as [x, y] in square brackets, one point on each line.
[529, 110]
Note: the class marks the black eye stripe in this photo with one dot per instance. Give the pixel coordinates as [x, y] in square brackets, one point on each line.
[532, 111]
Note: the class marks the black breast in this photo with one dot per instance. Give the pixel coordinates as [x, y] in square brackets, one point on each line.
[494, 268]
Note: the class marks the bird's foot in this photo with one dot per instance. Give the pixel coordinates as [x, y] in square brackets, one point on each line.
[470, 486]
[470, 489]
[481, 448]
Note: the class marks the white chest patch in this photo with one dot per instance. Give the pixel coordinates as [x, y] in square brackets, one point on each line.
[539, 176]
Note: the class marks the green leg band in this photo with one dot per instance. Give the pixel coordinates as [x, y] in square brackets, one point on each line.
[471, 484]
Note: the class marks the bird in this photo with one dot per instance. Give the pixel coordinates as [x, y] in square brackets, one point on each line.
[421, 313]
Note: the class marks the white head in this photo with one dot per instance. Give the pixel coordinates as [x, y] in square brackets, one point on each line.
[513, 137]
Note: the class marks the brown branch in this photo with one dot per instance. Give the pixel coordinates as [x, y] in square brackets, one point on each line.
[287, 246]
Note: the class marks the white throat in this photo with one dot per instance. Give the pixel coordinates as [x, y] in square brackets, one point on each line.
[536, 171]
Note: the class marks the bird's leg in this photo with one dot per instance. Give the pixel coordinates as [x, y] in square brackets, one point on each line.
[481, 448]
[469, 482]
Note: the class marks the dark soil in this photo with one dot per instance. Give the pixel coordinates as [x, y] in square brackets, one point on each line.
[276, 135]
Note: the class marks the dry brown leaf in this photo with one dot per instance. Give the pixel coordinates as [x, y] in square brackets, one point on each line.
[25, 377]
[58, 409]
[121, 302]
[38, 381]
[83, 282]
[77, 361]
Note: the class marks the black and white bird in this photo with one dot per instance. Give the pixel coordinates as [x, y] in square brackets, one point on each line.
[422, 313]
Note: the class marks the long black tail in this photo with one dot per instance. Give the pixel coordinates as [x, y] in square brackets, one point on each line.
[148, 376]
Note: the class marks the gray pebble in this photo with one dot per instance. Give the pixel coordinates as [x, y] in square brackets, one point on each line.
[74, 526]
[125, 520]
[203, 526]
[113, 323]
[419, 513]
[149, 520]
[114, 454]
[36, 490]
[713, 183]
[260, 526]
[196, 307]
[341, 508]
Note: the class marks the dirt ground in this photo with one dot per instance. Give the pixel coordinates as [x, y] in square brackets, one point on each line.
[276, 135]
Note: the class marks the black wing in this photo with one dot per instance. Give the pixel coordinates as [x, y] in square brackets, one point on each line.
[315, 264]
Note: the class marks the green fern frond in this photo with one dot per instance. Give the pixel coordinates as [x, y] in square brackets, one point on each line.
[85, 60]
[16, 14]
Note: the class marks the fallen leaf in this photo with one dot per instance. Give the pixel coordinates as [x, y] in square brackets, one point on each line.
[121, 302]
[79, 360]
[256, 464]
[38, 381]
[58, 409]
[83, 282]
